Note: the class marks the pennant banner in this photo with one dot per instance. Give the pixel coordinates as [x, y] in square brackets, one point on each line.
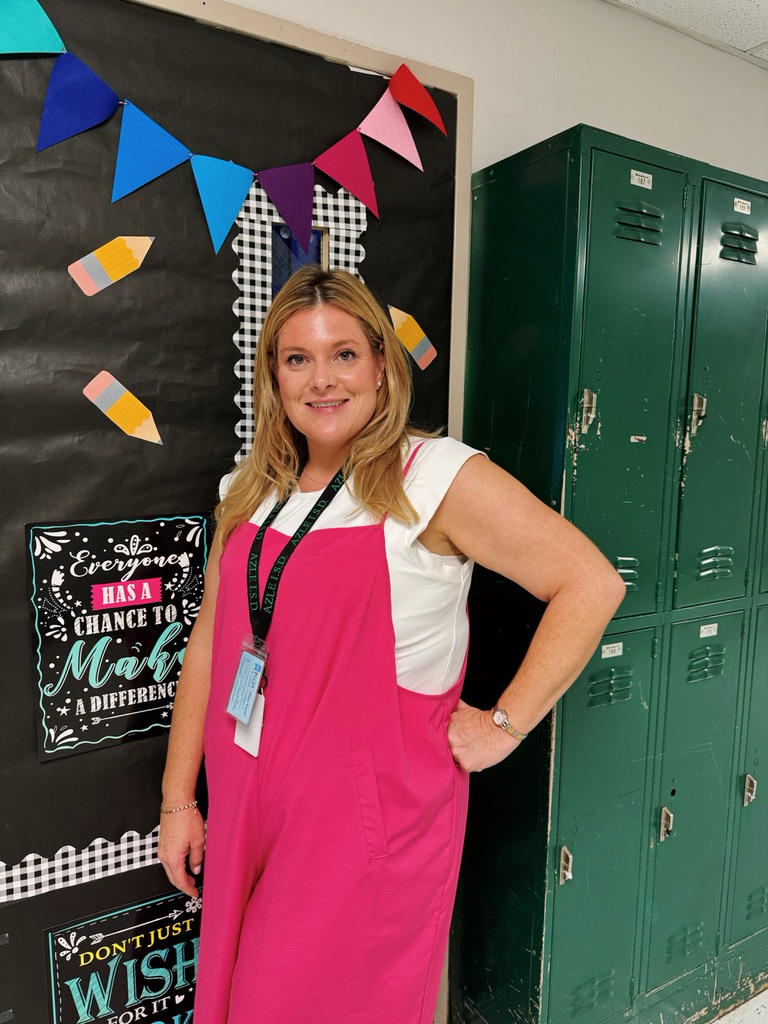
[408, 91]
[386, 125]
[26, 28]
[291, 191]
[223, 187]
[347, 163]
[76, 100]
[144, 152]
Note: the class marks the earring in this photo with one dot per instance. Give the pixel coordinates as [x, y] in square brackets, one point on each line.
[378, 383]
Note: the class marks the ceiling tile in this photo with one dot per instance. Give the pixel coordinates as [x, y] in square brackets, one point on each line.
[742, 24]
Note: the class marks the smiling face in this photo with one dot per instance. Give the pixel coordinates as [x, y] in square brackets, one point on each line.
[327, 375]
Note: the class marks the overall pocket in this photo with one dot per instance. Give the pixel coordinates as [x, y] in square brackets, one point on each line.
[370, 804]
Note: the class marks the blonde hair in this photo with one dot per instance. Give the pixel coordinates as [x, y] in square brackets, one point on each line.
[375, 456]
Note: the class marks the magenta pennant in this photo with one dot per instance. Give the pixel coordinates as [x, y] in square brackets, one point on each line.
[386, 125]
[347, 163]
[291, 190]
[76, 100]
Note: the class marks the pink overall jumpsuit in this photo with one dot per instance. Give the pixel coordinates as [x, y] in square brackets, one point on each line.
[332, 858]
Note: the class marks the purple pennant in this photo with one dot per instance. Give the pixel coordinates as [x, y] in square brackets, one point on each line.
[76, 100]
[291, 189]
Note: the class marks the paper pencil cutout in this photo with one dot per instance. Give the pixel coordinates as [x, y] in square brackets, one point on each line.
[421, 349]
[110, 262]
[123, 408]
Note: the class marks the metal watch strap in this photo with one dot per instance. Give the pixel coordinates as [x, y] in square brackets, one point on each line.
[505, 723]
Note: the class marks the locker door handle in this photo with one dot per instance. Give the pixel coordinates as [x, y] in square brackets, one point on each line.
[667, 821]
[750, 789]
[565, 873]
[698, 412]
[588, 409]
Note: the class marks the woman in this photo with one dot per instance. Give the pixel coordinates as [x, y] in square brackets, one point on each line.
[337, 813]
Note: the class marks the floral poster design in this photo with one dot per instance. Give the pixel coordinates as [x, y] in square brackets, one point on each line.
[137, 963]
[113, 606]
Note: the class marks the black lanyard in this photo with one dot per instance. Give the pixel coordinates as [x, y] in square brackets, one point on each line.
[261, 612]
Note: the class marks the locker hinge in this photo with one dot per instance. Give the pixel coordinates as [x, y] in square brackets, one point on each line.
[654, 647]
[743, 628]
[631, 990]
[685, 197]
[658, 591]
[747, 576]
[717, 943]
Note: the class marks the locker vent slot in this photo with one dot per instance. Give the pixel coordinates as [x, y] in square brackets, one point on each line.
[638, 222]
[706, 663]
[610, 686]
[715, 563]
[628, 569]
[739, 243]
[757, 902]
[684, 942]
[591, 993]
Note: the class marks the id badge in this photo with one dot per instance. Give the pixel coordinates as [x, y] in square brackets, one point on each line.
[248, 681]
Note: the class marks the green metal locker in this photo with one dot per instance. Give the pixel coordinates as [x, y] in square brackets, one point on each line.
[616, 365]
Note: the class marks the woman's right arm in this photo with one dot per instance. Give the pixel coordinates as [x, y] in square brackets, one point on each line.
[182, 834]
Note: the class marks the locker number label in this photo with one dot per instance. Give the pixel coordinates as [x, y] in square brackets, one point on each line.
[641, 178]
[612, 650]
[742, 206]
[710, 630]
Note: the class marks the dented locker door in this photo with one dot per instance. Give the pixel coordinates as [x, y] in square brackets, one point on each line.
[722, 433]
[688, 828]
[600, 830]
[620, 435]
[750, 888]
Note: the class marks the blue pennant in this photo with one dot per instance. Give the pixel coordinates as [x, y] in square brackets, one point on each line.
[76, 100]
[144, 152]
[223, 187]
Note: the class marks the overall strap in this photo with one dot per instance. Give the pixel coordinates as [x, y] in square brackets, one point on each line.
[406, 467]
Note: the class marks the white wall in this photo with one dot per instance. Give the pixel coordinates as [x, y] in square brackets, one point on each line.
[540, 66]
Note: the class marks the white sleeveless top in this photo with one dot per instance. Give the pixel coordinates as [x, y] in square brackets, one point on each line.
[429, 592]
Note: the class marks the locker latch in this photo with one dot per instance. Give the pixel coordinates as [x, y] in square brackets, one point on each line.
[667, 821]
[588, 409]
[698, 412]
[566, 865]
[750, 788]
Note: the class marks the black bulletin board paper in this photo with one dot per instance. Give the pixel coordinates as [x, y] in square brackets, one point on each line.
[165, 332]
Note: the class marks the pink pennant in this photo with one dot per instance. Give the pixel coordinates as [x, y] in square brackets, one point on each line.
[408, 91]
[347, 162]
[386, 125]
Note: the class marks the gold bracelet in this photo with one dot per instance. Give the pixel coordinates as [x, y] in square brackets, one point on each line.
[172, 810]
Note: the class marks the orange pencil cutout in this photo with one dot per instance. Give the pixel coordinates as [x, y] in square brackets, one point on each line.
[123, 408]
[111, 262]
[411, 335]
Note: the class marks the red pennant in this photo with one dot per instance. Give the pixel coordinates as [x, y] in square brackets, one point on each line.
[408, 91]
[347, 163]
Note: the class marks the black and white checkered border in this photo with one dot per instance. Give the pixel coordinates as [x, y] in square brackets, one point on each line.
[345, 218]
[35, 875]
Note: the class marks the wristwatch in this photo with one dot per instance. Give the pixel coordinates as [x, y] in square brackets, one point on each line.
[499, 716]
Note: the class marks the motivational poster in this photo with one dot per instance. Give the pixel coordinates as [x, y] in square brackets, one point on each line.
[114, 603]
[136, 963]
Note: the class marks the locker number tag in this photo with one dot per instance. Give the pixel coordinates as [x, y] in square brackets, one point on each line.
[710, 630]
[612, 650]
[742, 206]
[641, 178]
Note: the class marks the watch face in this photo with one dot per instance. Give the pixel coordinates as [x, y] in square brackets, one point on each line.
[498, 716]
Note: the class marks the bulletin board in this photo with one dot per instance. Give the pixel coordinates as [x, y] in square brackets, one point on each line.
[79, 806]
